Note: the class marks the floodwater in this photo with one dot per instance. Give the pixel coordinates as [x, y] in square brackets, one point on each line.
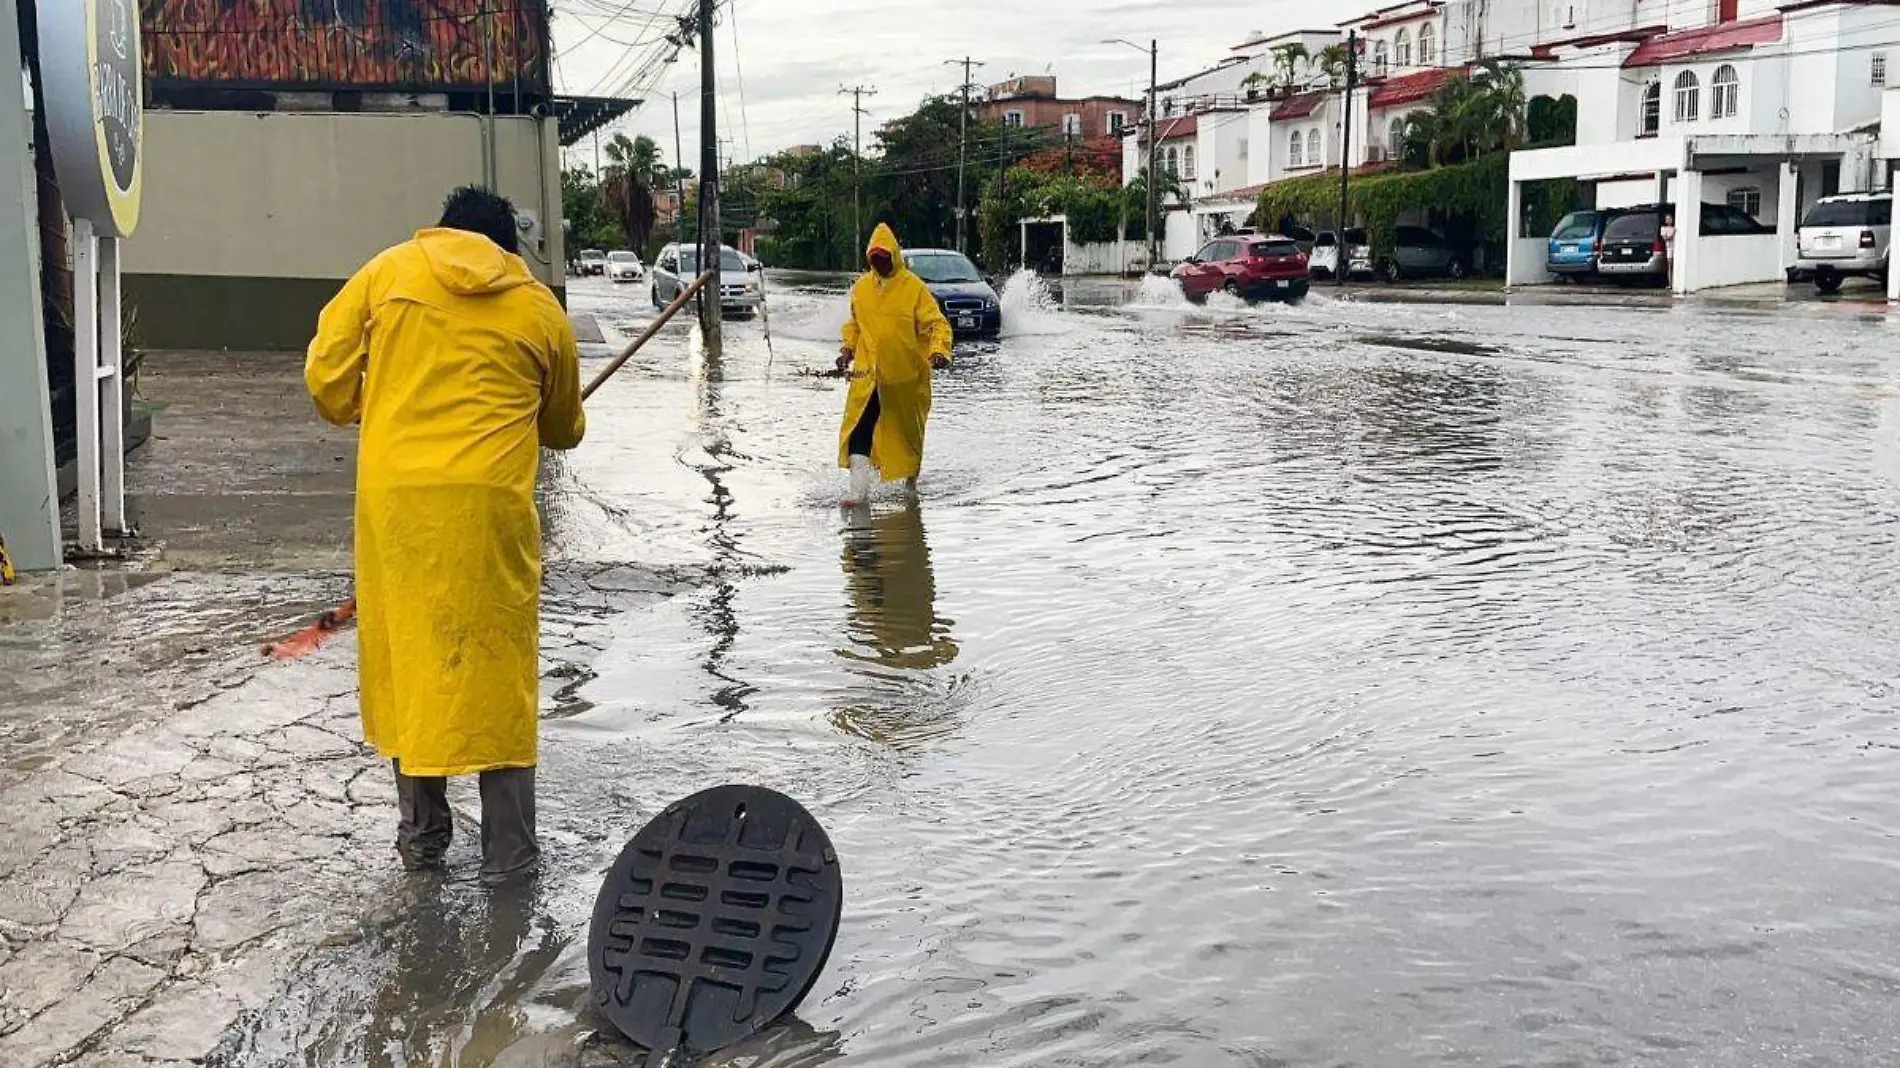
[1344, 684]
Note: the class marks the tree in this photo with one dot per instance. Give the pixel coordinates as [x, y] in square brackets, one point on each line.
[628, 180]
[1332, 62]
[590, 224]
[1468, 117]
[1287, 61]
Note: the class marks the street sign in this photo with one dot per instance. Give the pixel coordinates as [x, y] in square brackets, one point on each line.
[94, 95]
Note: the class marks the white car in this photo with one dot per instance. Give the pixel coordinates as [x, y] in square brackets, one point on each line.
[741, 278]
[625, 267]
[1323, 261]
[1845, 235]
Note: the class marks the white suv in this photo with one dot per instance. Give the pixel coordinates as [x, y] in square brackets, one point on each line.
[1845, 235]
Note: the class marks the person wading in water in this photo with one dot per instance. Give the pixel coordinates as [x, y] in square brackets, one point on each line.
[896, 336]
[460, 366]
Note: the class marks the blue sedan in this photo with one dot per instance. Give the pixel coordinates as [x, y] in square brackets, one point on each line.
[969, 302]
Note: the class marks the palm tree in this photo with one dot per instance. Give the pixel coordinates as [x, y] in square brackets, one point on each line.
[1287, 60]
[1501, 88]
[1332, 61]
[634, 169]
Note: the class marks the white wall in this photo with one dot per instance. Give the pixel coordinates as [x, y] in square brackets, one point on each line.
[1260, 145]
[1629, 193]
[1735, 260]
[1528, 262]
[1180, 238]
[1221, 137]
[1106, 257]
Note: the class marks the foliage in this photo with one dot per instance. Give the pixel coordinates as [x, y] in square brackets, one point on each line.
[1552, 121]
[590, 224]
[1470, 196]
[634, 170]
[1332, 62]
[1468, 117]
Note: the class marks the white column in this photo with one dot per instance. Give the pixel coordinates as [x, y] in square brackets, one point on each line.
[1662, 188]
[86, 381]
[111, 387]
[1893, 258]
[1513, 230]
[1687, 268]
[1788, 212]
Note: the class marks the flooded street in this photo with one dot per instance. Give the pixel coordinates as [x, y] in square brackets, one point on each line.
[1343, 684]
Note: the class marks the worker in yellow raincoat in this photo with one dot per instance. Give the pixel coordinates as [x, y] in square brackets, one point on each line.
[459, 365]
[896, 336]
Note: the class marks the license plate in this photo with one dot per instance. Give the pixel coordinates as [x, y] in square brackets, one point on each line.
[966, 322]
[1569, 250]
[1827, 241]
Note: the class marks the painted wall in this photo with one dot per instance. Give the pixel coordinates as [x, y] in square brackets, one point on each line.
[1261, 148]
[1222, 137]
[252, 220]
[1733, 260]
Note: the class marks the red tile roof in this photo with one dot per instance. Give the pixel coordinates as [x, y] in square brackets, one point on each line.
[1298, 106]
[1185, 126]
[1410, 88]
[1725, 37]
[1638, 35]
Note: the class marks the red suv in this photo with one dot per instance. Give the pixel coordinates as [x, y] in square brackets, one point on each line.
[1247, 266]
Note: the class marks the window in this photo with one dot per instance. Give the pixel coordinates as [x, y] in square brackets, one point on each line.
[1746, 200]
[1381, 59]
[1878, 72]
[1726, 100]
[1243, 148]
[1688, 97]
[1296, 151]
[1187, 162]
[1427, 46]
[1402, 49]
[1117, 122]
[1174, 160]
[1313, 158]
[1072, 125]
[1013, 117]
[1652, 109]
[1395, 138]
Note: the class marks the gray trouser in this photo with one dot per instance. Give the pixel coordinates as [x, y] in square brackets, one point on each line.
[427, 826]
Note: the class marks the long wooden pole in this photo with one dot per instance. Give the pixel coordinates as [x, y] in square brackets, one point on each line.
[312, 637]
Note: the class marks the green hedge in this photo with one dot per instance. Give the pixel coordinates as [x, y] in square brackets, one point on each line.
[1478, 191]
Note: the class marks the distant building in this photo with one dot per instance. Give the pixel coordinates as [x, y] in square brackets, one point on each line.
[1031, 102]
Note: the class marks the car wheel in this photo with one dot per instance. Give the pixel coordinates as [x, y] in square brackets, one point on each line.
[1389, 270]
[1231, 288]
[656, 297]
[1827, 280]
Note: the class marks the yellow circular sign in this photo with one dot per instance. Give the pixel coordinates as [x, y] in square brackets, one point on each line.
[94, 94]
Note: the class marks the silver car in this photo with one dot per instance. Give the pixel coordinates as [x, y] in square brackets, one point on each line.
[625, 267]
[741, 279]
[1844, 236]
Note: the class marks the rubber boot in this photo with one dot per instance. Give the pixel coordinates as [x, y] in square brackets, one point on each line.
[860, 490]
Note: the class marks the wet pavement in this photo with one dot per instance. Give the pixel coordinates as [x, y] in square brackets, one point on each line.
[1339, 684]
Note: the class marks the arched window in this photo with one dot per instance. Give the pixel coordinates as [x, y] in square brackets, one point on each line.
[1296, 150]
[1395, 139]
[1187, 162]
[1652, 108]
[1726, 100]
[1427, 46]
[1313, 158]
[1402, 49]
[1381, 58]
[1174, 161]
[1688, 97]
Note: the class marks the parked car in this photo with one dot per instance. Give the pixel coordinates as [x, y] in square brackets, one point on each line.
[1421, 252]
[970, 303]
[1636, 242]
[593, 261]
[741, 293]
[1323, 260]
[1573, 244]
[1247, 267]
[625, 267]
[1845, 236]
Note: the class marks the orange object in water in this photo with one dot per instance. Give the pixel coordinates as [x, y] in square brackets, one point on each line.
[312, 637]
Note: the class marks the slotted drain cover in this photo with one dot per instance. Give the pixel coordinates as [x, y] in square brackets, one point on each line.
[715, 920]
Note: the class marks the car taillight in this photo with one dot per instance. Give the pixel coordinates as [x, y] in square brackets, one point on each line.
[1659, 248]
[1867, 239]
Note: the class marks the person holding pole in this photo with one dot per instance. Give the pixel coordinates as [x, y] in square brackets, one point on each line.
[460, 367]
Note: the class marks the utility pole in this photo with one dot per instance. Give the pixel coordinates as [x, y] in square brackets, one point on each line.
[963, 151]
[857, 93]
[1344, 266]
[491, 178]
[679, 172]
[1154, 154]
[709, 229]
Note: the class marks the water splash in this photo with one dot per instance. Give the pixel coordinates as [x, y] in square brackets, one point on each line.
[1159, 291]
[1029, 308]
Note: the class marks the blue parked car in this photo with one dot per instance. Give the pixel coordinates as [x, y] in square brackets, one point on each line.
[1573, 244]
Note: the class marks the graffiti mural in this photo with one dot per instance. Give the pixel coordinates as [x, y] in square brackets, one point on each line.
[346, 44]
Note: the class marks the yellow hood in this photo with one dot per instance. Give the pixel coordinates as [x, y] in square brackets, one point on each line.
[471, 264]
[883, 237]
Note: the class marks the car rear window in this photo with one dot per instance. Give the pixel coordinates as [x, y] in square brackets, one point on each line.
[1576, 226]
[1642, 226]
[1276, 248]
[1850, 213]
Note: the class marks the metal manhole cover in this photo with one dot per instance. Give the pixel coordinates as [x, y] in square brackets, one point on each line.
[715, 920]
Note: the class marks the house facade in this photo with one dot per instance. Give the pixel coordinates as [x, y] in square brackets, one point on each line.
[1032, 103]
[1762, 104]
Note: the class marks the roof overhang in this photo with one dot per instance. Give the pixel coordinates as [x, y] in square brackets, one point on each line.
[582, 115]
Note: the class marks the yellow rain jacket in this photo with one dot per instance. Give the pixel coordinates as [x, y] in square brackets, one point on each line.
[894, 329]
[459, 365]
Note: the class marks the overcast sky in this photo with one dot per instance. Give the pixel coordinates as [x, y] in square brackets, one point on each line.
[794, 55]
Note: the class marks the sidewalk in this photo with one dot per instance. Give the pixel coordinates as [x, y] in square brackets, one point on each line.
[187, 822]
